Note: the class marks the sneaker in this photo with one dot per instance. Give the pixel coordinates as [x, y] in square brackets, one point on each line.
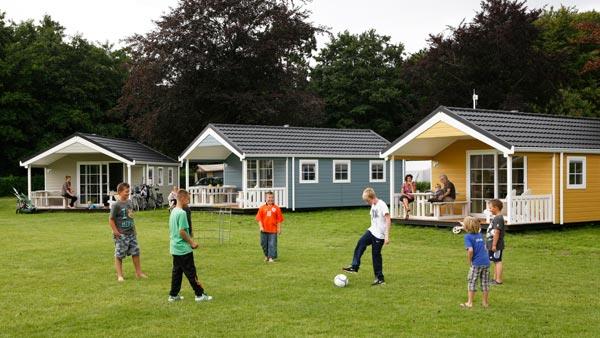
[350, 269]
[175, 299]
[203, 298]
[378, 282]
[271, 260]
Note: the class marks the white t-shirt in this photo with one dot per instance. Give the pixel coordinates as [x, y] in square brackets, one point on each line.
[378, 212]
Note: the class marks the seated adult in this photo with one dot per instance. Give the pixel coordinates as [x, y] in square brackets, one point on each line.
[449, 190]
[409, 187]
[67, 192]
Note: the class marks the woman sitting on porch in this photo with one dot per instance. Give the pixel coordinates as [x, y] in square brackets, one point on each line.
[408, 189]
[68, 193]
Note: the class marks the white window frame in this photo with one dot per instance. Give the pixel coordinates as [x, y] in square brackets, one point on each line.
[150, 181]
[170, 176]
[349, 164]
[581, 159]
[258, 177]
[302, 162]
[103, 185]
[160, 172]
[382, 162]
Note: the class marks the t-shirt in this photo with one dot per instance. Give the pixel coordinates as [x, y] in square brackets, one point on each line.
[178, 221]
[270, 216]
[378, 223]
[122, 213]
[497, 224]
[480, 254]
[66, 188]
[450, 185]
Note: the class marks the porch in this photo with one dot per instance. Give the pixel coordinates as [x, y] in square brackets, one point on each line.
[228, 196]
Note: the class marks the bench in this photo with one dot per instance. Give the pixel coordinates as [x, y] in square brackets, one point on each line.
[48, 199]
[437, 209]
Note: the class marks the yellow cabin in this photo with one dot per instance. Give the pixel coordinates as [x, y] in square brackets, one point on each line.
[545, 168]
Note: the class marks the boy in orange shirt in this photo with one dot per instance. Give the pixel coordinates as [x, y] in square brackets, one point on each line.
[269, 219]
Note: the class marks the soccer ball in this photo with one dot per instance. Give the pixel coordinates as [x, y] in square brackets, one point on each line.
[340, 280]
[457, 229]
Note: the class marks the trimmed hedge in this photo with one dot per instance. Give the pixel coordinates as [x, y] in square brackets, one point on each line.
[20, 183]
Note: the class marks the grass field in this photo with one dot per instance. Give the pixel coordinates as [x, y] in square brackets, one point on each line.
[57, 279]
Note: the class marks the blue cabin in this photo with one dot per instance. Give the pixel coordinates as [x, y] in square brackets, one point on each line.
[304, 167]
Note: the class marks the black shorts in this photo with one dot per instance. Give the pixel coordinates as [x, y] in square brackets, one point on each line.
[496, 256]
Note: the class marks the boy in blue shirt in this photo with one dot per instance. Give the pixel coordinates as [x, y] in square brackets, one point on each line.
[477, 258]
[181, 246]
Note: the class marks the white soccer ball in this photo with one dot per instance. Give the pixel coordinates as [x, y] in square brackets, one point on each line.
[341, 280]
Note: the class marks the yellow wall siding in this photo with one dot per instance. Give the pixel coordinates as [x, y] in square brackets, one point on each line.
[452, 161]
[539, 173]
[441, 129]
[581, 205]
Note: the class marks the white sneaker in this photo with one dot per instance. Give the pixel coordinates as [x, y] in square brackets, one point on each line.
[175, 299]
[203, 298]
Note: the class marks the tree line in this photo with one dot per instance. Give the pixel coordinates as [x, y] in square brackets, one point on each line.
[256, 62]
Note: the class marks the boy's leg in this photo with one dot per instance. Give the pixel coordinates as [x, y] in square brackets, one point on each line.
[120, 253]
[119, 268]
[264, 239]
[498, 272]
[485, 286]
[377, 259]
[471, 285]
[361, 246]
[176, 276]
[189, 269]
[272, 246]
[138, 266]
[133, 249]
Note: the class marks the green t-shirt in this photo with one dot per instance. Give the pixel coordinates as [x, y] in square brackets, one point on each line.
[178, 221]
[122, 213]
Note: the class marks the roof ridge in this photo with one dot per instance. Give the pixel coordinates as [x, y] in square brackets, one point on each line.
[526, 113]
[290, 127]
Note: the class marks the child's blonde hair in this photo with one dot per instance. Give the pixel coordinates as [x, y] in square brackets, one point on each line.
[471, 225]
[437, 185]
[368, 194]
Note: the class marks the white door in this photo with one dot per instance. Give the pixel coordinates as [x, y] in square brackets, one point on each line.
[93, 183]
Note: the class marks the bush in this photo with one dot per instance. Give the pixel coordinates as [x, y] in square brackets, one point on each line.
[423, 186]
[20, 183]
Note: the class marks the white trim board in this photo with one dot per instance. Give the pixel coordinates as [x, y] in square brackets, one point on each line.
[203, 136]
[443, 117]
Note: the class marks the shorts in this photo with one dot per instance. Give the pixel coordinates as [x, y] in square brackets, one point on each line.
[126, 245]
[478, 272]
[495, 256]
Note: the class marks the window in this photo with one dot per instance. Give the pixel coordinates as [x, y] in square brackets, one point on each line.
[93, 183]
[309, 171]
[259, 173]
[170, 176]
[518, 175]
[150, 180]
[377, 171]
[160, 175]
[576, 172]
[341, 171]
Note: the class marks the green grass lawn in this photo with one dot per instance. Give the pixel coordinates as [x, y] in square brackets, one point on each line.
[57, 279]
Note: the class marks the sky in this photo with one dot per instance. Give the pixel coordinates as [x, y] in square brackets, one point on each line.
[407, 22]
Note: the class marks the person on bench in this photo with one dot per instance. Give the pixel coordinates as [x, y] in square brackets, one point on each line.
[68, 193]
[409, 187]
[449, 189]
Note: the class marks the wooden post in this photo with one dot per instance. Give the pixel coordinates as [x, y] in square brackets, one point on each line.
[287, 192]
[244, 183]
[391, 178]
[509, 197]
[561, 195]
[129, 179]
[29, 181]
[293, 183]
[187, 174]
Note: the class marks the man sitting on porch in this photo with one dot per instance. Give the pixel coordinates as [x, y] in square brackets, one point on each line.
[68, 193]
[449, 189]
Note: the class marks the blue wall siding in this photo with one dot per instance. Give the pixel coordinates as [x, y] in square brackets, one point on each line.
[398, 177]
[232, 173]
[329, 194]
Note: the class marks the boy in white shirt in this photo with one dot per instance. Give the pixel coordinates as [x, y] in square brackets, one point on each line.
[377, 235]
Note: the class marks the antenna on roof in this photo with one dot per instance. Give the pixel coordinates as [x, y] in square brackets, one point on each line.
[475, 98]
[286, 125]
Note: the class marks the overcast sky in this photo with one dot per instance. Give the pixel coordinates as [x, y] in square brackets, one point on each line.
[408, 22]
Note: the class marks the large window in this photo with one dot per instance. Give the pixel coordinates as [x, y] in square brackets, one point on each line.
[93, 183]
[309, 171]
[576, 172]
[488, 178]
[170, 176]
[341, 171]
[160, 175]
[259, 173]
[376, 171]
[150, 180]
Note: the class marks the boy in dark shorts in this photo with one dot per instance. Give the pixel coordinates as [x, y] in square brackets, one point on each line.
[494, 239]
[124, 234]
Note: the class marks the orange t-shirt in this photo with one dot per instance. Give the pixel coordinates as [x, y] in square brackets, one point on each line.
[270, 216]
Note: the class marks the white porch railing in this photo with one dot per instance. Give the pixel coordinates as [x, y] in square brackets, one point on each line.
[202, 195]
[422, 209]
[531, 209]
[255, 197]
[419, 207]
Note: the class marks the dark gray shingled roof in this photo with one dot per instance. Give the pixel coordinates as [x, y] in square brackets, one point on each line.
[251, 139]
[128, 149]
[524, 130]
[528, 130]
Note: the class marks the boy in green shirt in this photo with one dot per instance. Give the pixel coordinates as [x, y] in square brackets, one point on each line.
[182, 246]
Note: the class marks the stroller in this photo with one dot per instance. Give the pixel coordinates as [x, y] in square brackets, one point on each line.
[24, 204]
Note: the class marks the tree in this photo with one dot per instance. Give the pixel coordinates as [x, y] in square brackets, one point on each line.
[220, 61]
[360, 79]
[574, 38]
[51, 87]
[495, 54]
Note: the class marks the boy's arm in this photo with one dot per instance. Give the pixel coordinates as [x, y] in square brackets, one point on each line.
[187, 238]
[113, 226]
[469, 255]
[495, 240]
[259, 220]
[388, 223]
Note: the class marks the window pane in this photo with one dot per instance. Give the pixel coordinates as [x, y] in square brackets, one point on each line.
[488, 191]
[475, 176]
[518, 162]
[487, 176]
[476, 161]
[488, 161]
[502, 162]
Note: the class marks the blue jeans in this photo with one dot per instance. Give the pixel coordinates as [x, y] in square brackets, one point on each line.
[377, 244]
[268, 242]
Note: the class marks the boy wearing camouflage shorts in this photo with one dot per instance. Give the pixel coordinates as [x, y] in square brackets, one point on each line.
[124, 234]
